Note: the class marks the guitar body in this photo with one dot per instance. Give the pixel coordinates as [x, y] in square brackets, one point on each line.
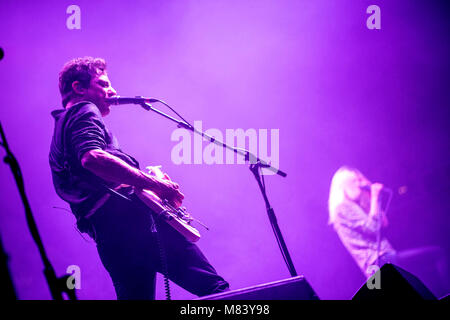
[177, 218]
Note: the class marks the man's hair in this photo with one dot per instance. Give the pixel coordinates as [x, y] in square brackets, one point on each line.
[79, 69]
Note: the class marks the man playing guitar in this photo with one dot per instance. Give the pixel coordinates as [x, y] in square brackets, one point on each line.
[107, 192]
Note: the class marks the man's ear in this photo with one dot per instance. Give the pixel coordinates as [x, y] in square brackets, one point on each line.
[78, 88]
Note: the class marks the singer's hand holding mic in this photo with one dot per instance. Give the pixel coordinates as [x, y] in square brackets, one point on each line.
[375, 205]
[375, 189]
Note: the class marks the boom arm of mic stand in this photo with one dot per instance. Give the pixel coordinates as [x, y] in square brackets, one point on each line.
[245, 153]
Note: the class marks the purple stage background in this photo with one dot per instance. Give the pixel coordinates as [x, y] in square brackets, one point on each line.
[338, 92]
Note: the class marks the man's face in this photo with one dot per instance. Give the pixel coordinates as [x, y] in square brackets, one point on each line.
[100, 89]
[353, 185]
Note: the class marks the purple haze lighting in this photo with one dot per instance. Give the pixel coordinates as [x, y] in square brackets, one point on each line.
[338, 92]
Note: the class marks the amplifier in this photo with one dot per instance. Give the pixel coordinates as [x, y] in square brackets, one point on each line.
[295, 288]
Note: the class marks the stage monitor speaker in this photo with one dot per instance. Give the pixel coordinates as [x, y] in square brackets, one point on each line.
[295, 288]
[394, 283]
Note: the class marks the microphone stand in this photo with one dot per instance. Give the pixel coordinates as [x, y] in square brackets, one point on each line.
[255, 169]
[380, 224]
[5, 276]
[255, 165]
[57, 285]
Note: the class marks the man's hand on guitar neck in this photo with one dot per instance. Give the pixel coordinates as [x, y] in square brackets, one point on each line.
[114, 169]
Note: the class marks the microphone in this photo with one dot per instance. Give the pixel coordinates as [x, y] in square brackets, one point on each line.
[366, 187]
[130, 100]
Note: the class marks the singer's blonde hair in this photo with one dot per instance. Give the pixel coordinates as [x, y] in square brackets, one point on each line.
[337, 189]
